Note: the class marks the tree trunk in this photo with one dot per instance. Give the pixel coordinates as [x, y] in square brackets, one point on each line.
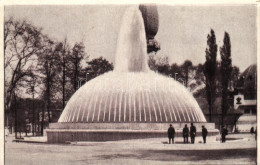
[48, 95]
[76, 75]
[63, 83]
[15, 117]
[224, 105]
[210, 110]
[38, 122]
[42, 123]
[33, 122]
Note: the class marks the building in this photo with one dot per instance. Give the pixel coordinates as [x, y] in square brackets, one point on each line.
[245, 99]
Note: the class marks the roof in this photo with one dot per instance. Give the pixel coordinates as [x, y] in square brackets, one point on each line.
[250, 71]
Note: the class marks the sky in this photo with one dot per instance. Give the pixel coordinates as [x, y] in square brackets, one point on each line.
[182, 31]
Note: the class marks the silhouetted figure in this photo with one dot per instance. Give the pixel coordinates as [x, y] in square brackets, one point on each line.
[171, 133]
[252, 130]
[224, 134]
[204, 134]
[185, 133]
[192, 133]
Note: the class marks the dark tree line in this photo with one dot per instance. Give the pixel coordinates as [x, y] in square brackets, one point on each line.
[47, 70]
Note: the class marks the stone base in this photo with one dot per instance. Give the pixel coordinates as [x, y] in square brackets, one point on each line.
[62, 132]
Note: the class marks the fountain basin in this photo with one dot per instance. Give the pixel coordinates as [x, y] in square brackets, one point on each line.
[63, 132]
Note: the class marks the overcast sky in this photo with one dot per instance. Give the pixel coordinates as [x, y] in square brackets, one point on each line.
[182, 31]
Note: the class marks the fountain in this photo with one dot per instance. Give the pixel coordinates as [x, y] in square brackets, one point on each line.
[130, 102]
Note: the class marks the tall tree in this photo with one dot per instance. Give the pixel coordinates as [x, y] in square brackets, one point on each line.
[22, 43]
[226, 70]
[78, 53]
[64, 60]
[209, 71]
[49, 60]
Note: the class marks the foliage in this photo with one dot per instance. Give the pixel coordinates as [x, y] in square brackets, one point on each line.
[210, 69]
[226, 70]
[22, 43]
[97, 66]
[77, 55]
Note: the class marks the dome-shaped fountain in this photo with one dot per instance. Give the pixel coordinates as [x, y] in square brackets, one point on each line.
[130, 98]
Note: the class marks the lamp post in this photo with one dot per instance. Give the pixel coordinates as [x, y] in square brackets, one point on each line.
[79, 82]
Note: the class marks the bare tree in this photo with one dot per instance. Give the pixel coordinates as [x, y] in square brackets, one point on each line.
[22, 42]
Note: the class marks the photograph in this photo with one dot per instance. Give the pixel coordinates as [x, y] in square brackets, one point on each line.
[130, 83]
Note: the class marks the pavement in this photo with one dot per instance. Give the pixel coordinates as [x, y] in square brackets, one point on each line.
[240, 150]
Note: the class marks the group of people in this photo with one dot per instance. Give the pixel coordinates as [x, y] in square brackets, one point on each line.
[186, 132]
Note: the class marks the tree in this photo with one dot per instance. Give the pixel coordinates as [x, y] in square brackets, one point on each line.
[78, 53]
[64, 54]
[22, 43]
[186, 67]
[49, 61]
[234, 77]
[159, 64]
[33, 83]
[97, 67]
[199, 74]
[226, 70]
[209, 71]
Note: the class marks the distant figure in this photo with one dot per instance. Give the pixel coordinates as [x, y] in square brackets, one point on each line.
[192, 133]
[185, 133]
[171, 133]
[252, 130]
[204, 134]
[224, 134]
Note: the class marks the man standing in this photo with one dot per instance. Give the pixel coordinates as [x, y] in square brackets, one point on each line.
[204, 133]
[171, 133]
[192, 133]
[252, 131]
[224, 134]
[185, 133]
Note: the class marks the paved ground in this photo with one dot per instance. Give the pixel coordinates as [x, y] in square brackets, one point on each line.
[149, 151]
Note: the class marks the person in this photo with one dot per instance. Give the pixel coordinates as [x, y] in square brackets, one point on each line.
[171, 133]
[185, 133]
[192, 133]
[204, 133]
[252, 130]
[224, 134]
